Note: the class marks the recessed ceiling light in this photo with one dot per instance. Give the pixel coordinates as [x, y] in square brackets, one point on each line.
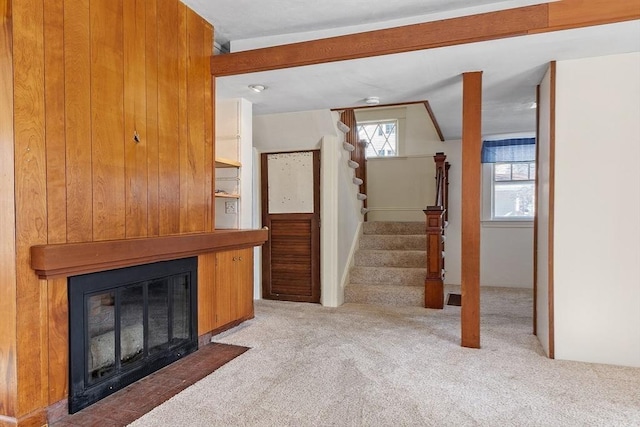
[257, 88]
[372, 100]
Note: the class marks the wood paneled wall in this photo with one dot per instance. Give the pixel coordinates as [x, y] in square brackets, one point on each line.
[79, 80]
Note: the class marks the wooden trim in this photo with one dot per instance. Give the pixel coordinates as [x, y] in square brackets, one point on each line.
[428, 35]
[436, 125]
[8, 333]
[535, 219]
[471, 179]
[50, 261]
[552, 185]
[367, 107]
[582, 13]
[312, 218]
[227, 326]
[35, 418]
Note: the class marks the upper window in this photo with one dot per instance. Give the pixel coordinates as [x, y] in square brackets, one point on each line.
[513, 189]
[381, 137]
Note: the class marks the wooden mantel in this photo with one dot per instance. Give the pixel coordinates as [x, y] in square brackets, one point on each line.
[70, 259]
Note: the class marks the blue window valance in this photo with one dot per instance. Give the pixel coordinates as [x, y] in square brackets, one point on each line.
[509, 150]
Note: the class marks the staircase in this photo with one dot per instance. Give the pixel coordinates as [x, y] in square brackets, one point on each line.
[389, 266]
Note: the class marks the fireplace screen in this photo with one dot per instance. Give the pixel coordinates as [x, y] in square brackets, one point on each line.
[126, 323]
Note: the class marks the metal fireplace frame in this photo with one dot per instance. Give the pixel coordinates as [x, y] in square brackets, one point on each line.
[81, 392]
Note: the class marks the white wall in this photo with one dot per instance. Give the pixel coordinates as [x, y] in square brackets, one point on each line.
[349, 216]
[543, 203]
[400, 188]
[506, 249]
[506, 255]
[292, 131]
[340, 210]
[597, 210]
[234, 133]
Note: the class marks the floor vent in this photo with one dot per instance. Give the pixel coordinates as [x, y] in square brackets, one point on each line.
[454, 299]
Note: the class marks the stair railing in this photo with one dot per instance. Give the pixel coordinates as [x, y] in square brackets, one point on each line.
[435, 227]
[348, 117]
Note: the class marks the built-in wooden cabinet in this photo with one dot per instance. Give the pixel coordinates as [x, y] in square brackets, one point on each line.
[226, 299]
[233, 295]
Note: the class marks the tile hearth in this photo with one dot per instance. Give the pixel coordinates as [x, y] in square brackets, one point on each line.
[132, 402]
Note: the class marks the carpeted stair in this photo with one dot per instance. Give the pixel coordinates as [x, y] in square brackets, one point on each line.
[389, 266]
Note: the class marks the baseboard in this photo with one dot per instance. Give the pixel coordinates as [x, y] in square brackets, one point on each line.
[35, 418]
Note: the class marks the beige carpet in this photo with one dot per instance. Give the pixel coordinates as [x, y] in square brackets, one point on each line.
[360, 365]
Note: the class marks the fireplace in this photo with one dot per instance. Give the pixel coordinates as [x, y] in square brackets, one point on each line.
[127, 323]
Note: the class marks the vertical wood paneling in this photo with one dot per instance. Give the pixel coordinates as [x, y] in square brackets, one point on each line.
[183, 126]
[55, 121]
[209, 149]
[212, 188]
[55, 304]
[135, 120]
[206, 293]
[168, 119]
[31, 203]
[66, 175]
[107, 100]
[195, 148]
[8, 385]
[151, 64]
[77, 108]
[471, 179]
[58, 340]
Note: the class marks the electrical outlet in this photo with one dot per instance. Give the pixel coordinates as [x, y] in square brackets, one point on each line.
[229, 207]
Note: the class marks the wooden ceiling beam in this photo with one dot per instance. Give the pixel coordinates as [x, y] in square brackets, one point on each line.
[408, 38]
[449, 32]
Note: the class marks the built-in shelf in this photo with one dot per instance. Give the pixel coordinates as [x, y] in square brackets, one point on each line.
[69, 259]
[221, 162]
[227, 196]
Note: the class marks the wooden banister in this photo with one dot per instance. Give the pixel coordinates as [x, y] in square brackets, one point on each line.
[348, 117]
[435, 227]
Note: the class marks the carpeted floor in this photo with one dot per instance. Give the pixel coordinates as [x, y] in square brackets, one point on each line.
[360, 365]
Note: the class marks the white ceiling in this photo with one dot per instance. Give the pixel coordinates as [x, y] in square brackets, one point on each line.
[512, 68]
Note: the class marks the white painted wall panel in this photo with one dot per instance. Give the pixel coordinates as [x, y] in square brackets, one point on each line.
[597, 210]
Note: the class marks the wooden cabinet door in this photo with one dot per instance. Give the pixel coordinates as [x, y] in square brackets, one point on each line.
[225, 279]
[233, 296]
[244, 288]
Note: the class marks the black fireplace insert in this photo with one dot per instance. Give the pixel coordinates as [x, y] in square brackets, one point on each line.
[126, 323]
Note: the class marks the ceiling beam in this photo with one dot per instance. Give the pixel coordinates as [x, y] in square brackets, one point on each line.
[450, 32]
[408, 38]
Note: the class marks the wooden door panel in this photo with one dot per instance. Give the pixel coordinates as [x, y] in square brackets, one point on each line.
[291, 256]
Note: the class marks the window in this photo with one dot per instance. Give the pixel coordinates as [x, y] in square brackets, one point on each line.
[509, 179]
[381, 137]
[513, 190]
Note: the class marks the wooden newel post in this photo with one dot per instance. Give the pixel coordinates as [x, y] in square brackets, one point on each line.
[436, 216]
[433, 283]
